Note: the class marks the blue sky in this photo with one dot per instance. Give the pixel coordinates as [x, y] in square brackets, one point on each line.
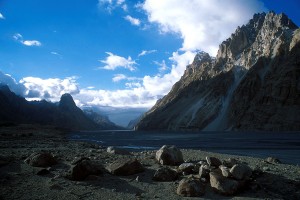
[117, 53]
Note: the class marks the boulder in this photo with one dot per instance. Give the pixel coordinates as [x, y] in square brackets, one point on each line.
[42, 159]
[189, 187]
[241, 172]
[165, 174]
[115, 150]
[230, 162]
[214, 162]
[82, 169]
[223, 185]
[169, 155]
[186, 168]
[125, 167]
[225, 171]
[204, 171]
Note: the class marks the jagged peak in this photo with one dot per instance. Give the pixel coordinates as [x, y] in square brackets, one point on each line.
[67, 100]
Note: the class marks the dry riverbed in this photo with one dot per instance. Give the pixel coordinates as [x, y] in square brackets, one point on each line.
[19, 180]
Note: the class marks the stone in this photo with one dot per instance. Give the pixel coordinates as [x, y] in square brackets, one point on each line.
[82, 169]
[125, 167]
[273, 160]
[223, 185]
[115, 150]
[204, 171]
[241, 172]
[230, 162]
[189, 187]
[165, 174]
[212, 161]
[169, 155]
[79, 159]
[225, 171]
[186, 168]
[43, 159]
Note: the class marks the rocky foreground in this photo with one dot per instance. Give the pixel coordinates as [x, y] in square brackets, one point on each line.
[39, 163]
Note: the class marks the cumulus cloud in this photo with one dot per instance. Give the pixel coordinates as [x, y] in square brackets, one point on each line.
[201, 24]
[50, 89]
[18, 37]
[7, 79]
[145, 52]
[1, 16]
[162, 66]
[132, 20]
[114, 61]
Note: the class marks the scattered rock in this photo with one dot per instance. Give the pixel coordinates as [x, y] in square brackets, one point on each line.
[241, 171]
[165, 174]
[190, 188]
[212, 161]
[169, 155]
[83, 169]
[230, 162]
[42, 159]
[204, 171]
[273, 160]
[225, 171]
[115, 150]
[125, 166]
[186, 168]
[222, 184]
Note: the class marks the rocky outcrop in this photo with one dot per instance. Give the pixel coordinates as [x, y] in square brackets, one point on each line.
[252, 84]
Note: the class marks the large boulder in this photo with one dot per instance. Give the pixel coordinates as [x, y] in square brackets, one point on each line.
[241, 172]
[214, 162]
[204, 171]
[84, 168]
[223, 185]
[186, 168]
[165, 174]
[125, 167]
[169, 155]
[189, 187]
[42, 159]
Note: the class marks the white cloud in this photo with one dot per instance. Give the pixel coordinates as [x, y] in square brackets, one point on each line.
[56, 54]
[162, 66]
[114, 61]
[14, 86]
[120, 77]
[201, 24]
[145, 52]
[18, 37]
[50, 89]
[110, 5]
[132, 20]
[1, 16]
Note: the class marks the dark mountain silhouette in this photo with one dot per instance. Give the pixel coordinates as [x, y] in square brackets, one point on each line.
[64, 114]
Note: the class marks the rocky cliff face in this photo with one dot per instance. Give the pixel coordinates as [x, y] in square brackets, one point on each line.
[252, 84]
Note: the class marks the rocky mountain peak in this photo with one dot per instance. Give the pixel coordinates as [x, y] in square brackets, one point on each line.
[67, 101]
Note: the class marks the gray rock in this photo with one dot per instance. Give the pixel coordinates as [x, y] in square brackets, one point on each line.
[169, 155]
[212, 161]
[165, 174]
[230, 162]
[273, 160]
[125, 167]
[204, 171]
[223, 185]
[190, 187]
[241, 172]
[225, 171]
[83, 169]
[43, 159]
[115, 150]
[187, 168]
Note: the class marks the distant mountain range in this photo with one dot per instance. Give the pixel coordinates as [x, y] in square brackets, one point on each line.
[64, 114]
[252, 84]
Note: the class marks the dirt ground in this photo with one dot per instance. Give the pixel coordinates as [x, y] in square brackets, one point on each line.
[19, 180]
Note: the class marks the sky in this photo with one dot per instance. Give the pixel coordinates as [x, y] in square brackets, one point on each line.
[114, 53]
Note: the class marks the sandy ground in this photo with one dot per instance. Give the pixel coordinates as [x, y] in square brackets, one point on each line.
[19, 180]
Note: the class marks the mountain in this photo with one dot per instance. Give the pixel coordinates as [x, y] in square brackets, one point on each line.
[252, 84]
[64, 114]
